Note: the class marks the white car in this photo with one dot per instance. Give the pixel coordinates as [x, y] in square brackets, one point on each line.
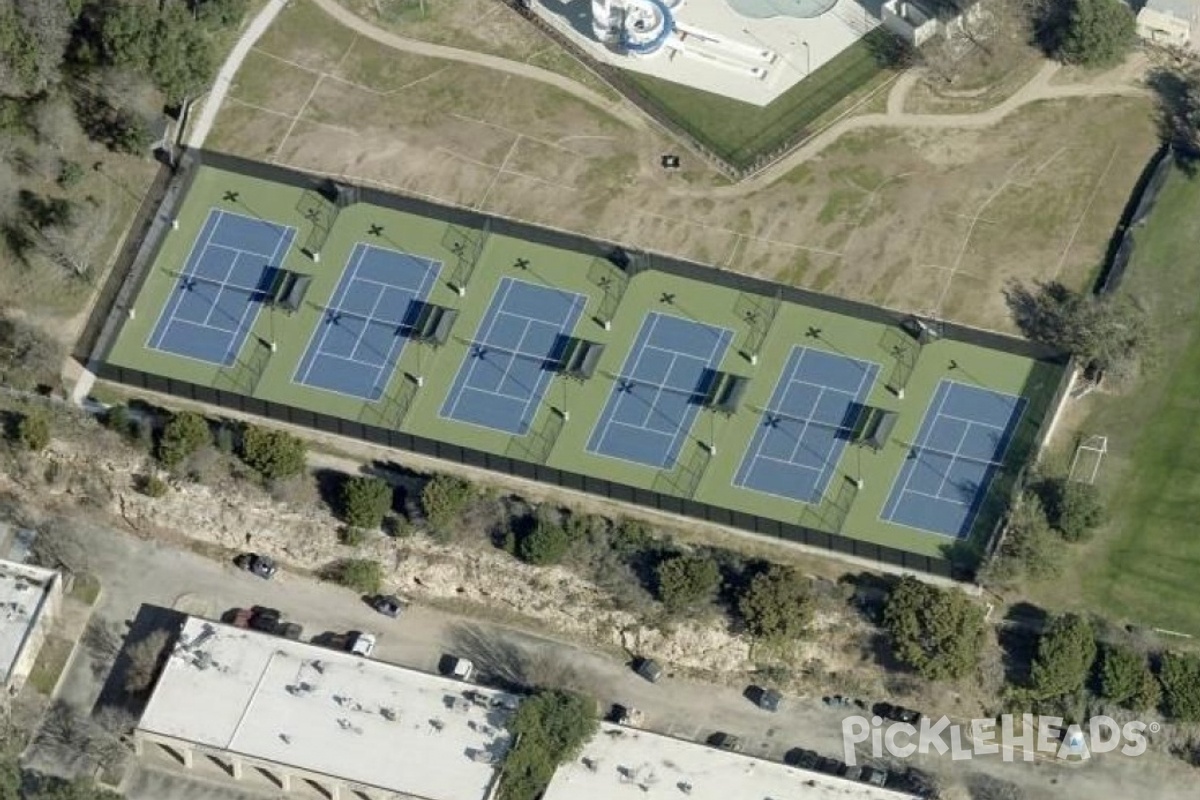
[455, 667]
[361, 644]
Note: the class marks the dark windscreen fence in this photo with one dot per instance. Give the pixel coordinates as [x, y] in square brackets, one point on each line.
[610, 490]
[1137, 208]
[129, 275]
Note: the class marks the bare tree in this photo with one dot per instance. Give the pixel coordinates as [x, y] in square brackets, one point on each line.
[59, 546]
[145, 658]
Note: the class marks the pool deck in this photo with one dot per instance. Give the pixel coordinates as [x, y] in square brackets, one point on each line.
[801, 46]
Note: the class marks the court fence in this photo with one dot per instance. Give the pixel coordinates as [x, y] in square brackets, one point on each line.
[127, 279]
[610, 490]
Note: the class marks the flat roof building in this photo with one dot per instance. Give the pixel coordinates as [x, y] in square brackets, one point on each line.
[266, 707]
[30, 598]
[620, 763]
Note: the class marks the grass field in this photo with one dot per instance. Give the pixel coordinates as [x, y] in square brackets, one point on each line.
[740, 132]
[270, 375]
[1145, 567]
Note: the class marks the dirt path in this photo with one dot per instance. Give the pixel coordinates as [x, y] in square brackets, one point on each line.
[621, 109]
[1037, 90]
[1118, 82]
[216, 96]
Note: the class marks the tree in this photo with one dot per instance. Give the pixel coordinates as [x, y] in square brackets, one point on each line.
[778, 603]
[1073, 508]
[1179, 674]
[937, 632]
[1030, 548]
[685, 581]
[365, 500]
[1126, 678]
[184, 434]
[70, 173]
[218, 13]
[360, 574]
[273, 454]
[28, 356]
[545, 542]
[548, 730]
[1098, 33]
[1105, 333]
[33, 38]
[33, 431]
[145, 657]
[444, 498]
[1065, 653]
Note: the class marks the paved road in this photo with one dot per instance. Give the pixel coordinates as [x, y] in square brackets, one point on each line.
[136, 572]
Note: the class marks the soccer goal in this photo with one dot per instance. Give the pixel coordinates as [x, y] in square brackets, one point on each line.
[1088, 455]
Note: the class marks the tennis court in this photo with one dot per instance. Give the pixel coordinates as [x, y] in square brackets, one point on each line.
[961, 444]
[805, 427]
[512, 357]
[657, 395]
[354, 350]
[222, 287]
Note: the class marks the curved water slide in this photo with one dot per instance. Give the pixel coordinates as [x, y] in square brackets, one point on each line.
[637, 27]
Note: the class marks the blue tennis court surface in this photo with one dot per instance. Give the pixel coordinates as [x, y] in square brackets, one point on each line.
[960, 446]
[805, 427]
[504, 376]
[221, 287]
[354, 350]
[657, 395]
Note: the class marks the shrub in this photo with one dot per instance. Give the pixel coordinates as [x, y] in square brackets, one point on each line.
[70, 173]
[352, 537]
[153, 486]
[937, 632]
[1179, 674]
[184, 434]
[546, 542]
[444, 498]
[273, 454]
[365, 501]
[685, 581]
[1030, 548]
[116, 419]
[1073, 508]
[360, 574]
[1125, 678]
[1065, 653]
[33, 432]
[777, 604]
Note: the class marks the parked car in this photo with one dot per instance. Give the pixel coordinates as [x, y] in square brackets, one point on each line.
[262, 566]
[896, 713]
[830, 766]
[626, 715]
[648, 668]
[875, 776]
[238, 617]
[290, 630]
[455, 667]
[361, 644]
[799, 757]
[725, 741]
[387, 604]
[265, 619]
[766, 699]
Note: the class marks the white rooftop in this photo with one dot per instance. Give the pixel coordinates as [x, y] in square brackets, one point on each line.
[627, 763]
[22, 589]
[332, 713]
[716, 48]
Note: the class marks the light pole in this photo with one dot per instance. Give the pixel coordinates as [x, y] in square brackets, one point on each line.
[807, 59]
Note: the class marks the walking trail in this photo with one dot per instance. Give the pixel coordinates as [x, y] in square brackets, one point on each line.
[1039, 88]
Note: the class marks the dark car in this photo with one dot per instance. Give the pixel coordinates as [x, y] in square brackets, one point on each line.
[387, 604]
[830, 766]
[726, 741]
[766, 699]
[897, 713]
[262, 566]
[799, 757]
[648, 668]
[265, 619]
